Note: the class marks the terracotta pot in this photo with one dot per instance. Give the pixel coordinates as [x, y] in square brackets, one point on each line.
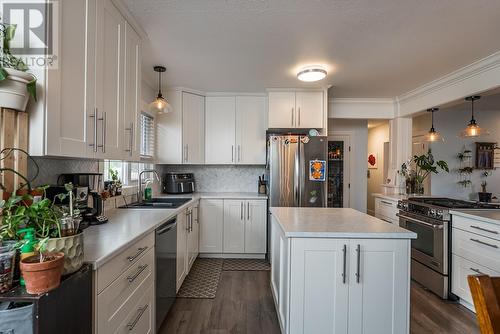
[42, 277]
[23, 192]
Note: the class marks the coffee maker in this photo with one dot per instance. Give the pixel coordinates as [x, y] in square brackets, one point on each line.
[84, 185]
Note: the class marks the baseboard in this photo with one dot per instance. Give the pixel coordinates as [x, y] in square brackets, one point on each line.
[467, 305]
[231, 256]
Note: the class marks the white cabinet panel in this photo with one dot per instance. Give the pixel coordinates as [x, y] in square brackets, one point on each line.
[234, 226]
[309, 107]
[220, 130]
[318, 296]
[193, 235]
[193, 128]
[381, 280]
[475, 247]
[282, 110]
[211, 225]
[132, 94]
[251, 125]
[169, 132]
[182, 255]
[255, 226]
[109, 85]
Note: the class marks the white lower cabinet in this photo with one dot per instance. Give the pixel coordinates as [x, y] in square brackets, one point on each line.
[233, 226]
[211, 225]
[475, 250]
[328, 285]
[245, 226]
[387, 210]
[187, 242]
[124, 300]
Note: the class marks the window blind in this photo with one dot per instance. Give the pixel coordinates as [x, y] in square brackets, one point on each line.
[147, 136]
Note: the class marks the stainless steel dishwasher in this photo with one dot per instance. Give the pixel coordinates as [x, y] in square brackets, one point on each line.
[166, 258]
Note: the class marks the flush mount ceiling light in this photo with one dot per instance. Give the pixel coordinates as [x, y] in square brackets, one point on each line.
[472, 129]
[160, 105]
[433, 135]
[311, 74]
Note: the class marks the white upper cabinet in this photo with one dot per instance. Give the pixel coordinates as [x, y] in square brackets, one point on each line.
[132, 96]
[181, 133]
[109, 84]
[91, 99]
[296, 109]
[220, 132]
[309, 109]
[193, 128]
[236, 130]
[281, 110]
[251, 125]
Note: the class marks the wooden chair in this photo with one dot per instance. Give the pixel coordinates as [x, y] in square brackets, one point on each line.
[485, 292]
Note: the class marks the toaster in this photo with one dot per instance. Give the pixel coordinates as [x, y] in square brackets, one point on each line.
[178, 183]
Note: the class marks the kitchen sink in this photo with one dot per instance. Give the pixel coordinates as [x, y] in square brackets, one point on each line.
[157, 203]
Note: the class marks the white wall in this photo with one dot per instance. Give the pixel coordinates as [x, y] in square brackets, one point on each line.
[376, 138]
[450, 122]
[358, 130]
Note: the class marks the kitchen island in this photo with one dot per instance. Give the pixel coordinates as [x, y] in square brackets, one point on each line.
[337, 270]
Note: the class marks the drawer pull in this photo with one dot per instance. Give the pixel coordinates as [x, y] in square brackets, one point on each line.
[132, 278]
[139, 252]
[483, 229]
[385, 202]
[140, 312]
[484, 243]
[477, 271]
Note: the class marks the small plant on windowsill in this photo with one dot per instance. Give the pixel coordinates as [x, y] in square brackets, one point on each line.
[115, 186]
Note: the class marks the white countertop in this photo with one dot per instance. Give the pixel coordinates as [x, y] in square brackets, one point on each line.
[489, 216]
[335, 223]
[391, 197]
[125, 226]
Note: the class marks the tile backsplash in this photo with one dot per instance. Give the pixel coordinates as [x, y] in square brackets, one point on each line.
[211, 178]
[50, 168]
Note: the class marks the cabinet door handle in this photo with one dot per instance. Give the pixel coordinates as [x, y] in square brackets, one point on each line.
[140, 312]
[358, 265]
[130, 140]
[248, 210]
[103, 132]
[344, 265]
[187, 152]
[292, 117]
[239, 153]
[241, 211]
[483, 229]
[232, 153]
[484, 243]
[94, 116]
[477, 271]
[299, 116]
[132, 278]
[139, 252]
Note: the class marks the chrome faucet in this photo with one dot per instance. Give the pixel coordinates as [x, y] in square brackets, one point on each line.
[140, 192]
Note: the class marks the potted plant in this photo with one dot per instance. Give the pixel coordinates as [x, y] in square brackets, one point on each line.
[484, 195]
[16, 85]
[115, 186]
[424, 166]
[42, 272]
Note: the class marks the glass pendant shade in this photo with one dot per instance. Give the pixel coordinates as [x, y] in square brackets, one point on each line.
[473, 130]
[433, 135]
[160, 105]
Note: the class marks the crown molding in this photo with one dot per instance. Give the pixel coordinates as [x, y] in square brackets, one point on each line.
[474, 78]
[361, 108]
[130, 19]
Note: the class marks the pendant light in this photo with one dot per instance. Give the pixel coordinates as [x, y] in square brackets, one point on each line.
[473, 130]
[433, 135]
[160, 105]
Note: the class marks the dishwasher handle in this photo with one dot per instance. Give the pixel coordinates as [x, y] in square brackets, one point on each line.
[166, 227]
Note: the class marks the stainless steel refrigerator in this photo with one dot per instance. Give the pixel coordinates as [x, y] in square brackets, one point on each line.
[297, 170]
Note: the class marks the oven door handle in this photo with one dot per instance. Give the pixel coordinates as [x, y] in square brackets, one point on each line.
[421, 222]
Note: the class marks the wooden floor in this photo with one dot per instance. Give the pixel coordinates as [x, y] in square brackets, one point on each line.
[244, 305]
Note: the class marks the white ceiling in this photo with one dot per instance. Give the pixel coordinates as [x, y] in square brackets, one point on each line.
[373, 48]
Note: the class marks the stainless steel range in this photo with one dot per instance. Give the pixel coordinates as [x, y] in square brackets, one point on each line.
[430, 218]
